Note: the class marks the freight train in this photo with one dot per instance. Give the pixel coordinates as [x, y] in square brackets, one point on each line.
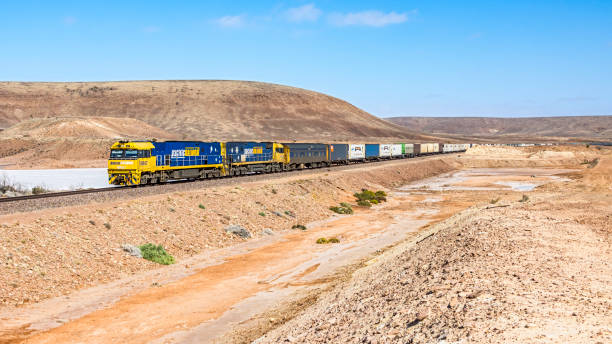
[152, 162]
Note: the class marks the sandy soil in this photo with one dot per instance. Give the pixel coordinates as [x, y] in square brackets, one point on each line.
[456, 265]
[537, 271]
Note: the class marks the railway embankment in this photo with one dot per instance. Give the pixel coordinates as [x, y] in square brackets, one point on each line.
[54, 251]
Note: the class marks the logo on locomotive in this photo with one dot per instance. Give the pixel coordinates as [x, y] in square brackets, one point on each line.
[254, 150]
[188, 151]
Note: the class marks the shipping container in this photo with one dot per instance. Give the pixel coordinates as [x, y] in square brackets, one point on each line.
[356, 151]
[339, 153]
[186, 153]
[417, 149]
[397, 149]
[372, 151]
[308, 154]
[385, 150]
[409, 150]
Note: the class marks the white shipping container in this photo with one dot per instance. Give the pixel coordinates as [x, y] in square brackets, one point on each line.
[356, 151]
[385, 150]
[409, 148]
[396, 149]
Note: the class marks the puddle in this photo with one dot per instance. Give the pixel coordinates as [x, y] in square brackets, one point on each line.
[485, 179]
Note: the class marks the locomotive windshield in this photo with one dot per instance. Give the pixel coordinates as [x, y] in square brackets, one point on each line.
[125, 154]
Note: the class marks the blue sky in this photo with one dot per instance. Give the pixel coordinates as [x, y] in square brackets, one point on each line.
[501, 58]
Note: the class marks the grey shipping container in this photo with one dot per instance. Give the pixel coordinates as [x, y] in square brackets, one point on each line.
[307, 153]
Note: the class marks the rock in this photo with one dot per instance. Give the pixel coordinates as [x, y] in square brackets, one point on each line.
[268, 231]
[238, 230]
[132, 250]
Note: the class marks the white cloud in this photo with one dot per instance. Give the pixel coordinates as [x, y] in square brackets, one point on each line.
[303, 13]
[231, 21]
[370, 18]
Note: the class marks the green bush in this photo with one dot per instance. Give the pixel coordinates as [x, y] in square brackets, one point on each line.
[370, 197]
[261, 213]
[344, 208]
[201, 206]
[156, 254]
[380, 193]
[365, 195]
[107, 225]
[298, 226]
[493, 201]
[328, 241]
[364, 203]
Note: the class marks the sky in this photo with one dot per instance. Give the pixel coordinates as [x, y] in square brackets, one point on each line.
[390, 58]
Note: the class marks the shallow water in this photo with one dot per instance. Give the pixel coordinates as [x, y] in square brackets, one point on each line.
[487, 178]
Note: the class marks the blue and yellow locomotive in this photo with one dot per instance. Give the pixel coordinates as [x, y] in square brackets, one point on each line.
[151, 162]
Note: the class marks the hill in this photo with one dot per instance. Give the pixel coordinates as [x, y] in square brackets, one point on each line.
[73, 124]
[532, 128]
[201, 110]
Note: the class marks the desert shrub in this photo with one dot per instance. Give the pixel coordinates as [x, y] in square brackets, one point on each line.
[172, 210]
[380, 193]
[93, 223]
[524, 199]
[156, 254]
[201, 206]
[37, 190]
[344, 208]
[364, 203]
[107, 225]
[274, 191]
[261, 213]
[364, 195]
[369, 196]
[493, 201]
[328, 241]
[298, 226]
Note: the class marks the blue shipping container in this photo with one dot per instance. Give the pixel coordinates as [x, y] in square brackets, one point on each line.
[372, 150]
[187, 153]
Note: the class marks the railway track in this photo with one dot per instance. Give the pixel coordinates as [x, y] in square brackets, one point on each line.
[11, 205]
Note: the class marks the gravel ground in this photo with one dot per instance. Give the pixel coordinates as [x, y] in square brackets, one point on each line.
[531, 272]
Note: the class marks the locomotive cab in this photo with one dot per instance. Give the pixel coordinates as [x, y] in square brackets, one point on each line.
[128, 160]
